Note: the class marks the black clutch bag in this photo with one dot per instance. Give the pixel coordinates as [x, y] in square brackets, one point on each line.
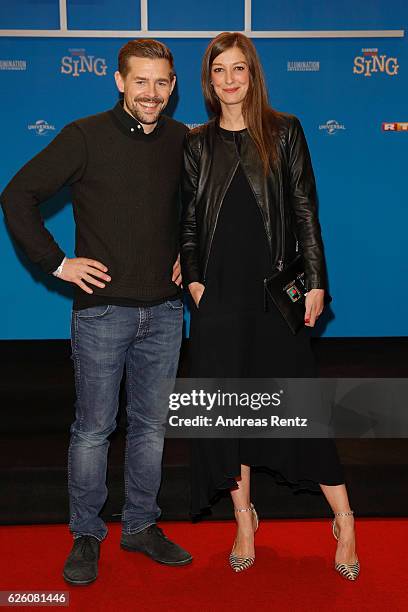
[287, 290]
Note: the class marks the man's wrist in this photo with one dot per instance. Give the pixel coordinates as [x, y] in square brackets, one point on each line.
[58, 271]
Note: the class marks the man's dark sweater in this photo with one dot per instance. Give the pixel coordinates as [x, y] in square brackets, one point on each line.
[125, 194]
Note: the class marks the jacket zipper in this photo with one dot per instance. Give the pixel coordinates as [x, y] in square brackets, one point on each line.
[265, 282]
[216, 220]
[281, 260]
[262, 215]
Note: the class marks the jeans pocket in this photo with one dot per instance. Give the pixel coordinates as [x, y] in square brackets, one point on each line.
[93, 312]
[174, 304]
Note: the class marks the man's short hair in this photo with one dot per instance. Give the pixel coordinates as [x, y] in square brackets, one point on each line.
[144, 47]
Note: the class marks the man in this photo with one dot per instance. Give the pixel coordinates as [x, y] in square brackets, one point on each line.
[124, 169]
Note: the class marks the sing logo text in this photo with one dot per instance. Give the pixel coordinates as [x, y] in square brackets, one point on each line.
[371, 62]
[79, 63]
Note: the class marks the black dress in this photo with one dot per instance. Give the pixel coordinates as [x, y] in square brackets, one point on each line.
[233, 337]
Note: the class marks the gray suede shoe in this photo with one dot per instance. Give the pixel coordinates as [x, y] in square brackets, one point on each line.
[153, 543]
[81, 566]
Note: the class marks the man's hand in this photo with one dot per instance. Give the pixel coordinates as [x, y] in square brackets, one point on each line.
[314, 306]
[176, 278]
[196, 290]
[80, 269]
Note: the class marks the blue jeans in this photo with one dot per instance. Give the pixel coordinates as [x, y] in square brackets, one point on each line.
[105, 341]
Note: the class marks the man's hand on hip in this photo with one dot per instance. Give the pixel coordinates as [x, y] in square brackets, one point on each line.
[80, 269]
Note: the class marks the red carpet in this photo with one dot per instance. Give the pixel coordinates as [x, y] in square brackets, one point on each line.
[293, 569]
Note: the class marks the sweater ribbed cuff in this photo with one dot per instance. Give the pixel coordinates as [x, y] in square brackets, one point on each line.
[50, 263]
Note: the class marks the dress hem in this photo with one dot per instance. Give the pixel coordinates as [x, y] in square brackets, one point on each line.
[230, 483]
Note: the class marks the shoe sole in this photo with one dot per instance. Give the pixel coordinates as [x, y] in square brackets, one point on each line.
[78, 582]
[175, 563]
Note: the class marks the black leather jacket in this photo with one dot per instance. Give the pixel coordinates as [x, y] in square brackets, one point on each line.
[286, 198]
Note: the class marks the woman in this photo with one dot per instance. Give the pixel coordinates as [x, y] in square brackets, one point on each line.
[249, 203]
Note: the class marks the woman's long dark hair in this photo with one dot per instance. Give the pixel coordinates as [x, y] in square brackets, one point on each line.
[260, 119]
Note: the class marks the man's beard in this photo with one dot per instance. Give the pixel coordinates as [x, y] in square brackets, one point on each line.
[140, 115]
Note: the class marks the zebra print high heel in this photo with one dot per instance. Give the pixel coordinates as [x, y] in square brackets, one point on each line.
[238, 564]
[348, 570]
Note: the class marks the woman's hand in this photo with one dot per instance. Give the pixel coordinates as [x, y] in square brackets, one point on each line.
[196, 290]
[314, 306]
[176, 278]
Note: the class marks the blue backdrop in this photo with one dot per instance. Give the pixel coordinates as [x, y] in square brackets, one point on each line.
[350, 94]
